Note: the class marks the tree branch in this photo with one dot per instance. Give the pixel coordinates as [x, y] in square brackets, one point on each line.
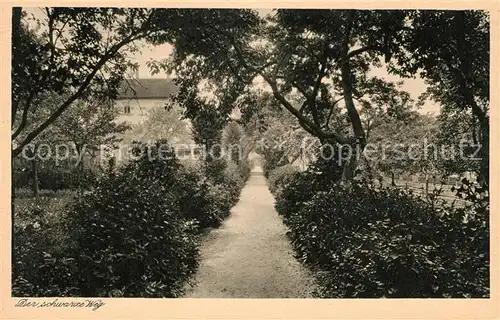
[24, 120]
[305, 123]
[16, 41]
[314, 110]
[331, 112]
[32, 135]
[362, 50]
[464, 90]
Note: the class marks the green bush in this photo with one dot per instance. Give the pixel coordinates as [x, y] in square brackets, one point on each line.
[127, 236]
[279, 177]
[236, 176]
[233, 175]
[39, 267]
[130, 233]
[53, 177]
[225, 179]
[57, 178]
[365, 243]
[21, 176]
[202, 200]
[215, 170]
[245, 168]
[272, 160]
[300, 186]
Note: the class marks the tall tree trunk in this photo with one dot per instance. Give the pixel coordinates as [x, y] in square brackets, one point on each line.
[349, 168]
[347, 80]
[34, 171]
[393, 182]
[79, 150]
[360, 142]
[462, 75]
[16, 39]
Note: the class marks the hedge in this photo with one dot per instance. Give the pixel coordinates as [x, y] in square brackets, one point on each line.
[364, 242]
[133, 234]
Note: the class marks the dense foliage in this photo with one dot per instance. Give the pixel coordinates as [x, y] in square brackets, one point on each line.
[366, 242]
[53, 177]
[134, 233]
[273, 161]
[280, 176]
[140, 198]
[206, 200]
[76, 53]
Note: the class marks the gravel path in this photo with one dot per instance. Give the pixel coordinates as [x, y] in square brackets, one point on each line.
[249, 256]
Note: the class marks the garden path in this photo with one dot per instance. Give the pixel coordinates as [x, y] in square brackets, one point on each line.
[250, 256]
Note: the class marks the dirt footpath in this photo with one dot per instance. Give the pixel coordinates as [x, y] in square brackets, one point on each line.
[249, 256]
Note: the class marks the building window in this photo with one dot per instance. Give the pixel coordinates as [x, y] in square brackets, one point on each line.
[126, 109]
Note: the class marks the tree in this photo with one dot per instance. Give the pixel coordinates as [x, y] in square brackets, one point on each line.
[450, 49]
[89, 125]
[458, 133]
[388, 125]
[284, 141]
[45, 103]
[162, 124]
[273, 132]
[324, 55]
[405, 145]
[233, 141]
[80, 131]
[75, 52]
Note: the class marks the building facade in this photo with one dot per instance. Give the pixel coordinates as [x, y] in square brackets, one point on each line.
[138, 96]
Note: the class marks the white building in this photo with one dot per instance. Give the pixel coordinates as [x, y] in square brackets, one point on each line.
[135, 100]
[138, 96]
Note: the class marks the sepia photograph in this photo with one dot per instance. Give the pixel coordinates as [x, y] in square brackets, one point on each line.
[274, 153]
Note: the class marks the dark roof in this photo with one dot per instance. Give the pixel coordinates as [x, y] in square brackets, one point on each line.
[146, 88]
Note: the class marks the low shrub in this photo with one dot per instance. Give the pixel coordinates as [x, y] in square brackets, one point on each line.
[236, 176]
[53, 177]
[39, 242]
[134, 233]
[45, 215]
[279, 177]
[202, 200]
[221, 182]
[365, 242]
[300, 186]
[233, 175]
[215, 170]
[130, 233]
[127, 237]
[244, 169]
[39, 268]
[272, 160]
